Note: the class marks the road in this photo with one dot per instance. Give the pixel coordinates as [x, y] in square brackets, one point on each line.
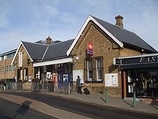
[9, 110]
[92, 111]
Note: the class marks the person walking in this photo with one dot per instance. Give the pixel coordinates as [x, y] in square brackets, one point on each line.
[4, 85]
[79, 85]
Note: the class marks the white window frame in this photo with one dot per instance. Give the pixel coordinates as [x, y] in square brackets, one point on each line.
[98, 69]
[88, 70]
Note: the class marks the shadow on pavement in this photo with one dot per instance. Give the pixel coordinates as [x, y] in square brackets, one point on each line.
[154, 103]
[128, 103]
[23, 109]
[103, 99]
[5, 117]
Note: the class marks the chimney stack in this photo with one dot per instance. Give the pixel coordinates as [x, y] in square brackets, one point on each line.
[48, 40]
[119, 21]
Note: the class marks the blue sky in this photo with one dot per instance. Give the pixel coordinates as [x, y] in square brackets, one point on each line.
[33, 20]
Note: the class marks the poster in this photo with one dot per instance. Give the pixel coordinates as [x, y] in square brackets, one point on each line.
[78, 73]
[111, 80]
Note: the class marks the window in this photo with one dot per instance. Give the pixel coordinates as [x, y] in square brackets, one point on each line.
[146, 83]
[3, 69]
[10, 55]
[89, 70]
[99, 69]
[10, 68]
[94, 69]
[6, 69]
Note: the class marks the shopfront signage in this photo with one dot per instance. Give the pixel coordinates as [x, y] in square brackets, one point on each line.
[149, 59]
[136, 60]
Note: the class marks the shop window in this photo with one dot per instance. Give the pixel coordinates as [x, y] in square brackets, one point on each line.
[146, 83]
[94, 69]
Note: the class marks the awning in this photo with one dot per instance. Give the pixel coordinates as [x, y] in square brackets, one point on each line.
[60, 61]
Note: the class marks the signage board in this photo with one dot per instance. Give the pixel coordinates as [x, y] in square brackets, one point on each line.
[111, 80]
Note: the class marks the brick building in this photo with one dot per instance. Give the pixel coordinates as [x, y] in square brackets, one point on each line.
[36, 60]
[7, 72]
[91, 55]
[97, 44]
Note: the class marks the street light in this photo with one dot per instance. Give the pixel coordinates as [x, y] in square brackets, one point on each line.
[44, 75]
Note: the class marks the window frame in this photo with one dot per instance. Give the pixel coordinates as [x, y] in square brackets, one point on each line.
[94, 70]
[99, 69]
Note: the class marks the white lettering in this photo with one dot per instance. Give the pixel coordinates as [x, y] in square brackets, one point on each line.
[149, 59]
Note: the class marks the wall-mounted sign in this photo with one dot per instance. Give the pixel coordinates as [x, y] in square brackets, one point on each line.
[90, 48]
[136, 60]
[111, 80]
[78, 73]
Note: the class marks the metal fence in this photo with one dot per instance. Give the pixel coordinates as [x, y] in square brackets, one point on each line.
[11, 86]
[38, 87]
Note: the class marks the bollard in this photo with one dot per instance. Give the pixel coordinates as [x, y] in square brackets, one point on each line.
[69, 88]
[134, 95]
[106, 95]
[134, 99]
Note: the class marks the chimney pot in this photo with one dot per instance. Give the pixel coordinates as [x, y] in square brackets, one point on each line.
[48, 40]
[119, 21]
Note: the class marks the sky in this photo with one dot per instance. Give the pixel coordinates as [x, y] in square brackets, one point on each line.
[34, 20]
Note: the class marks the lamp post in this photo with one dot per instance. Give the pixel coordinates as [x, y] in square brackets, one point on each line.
[44, 75]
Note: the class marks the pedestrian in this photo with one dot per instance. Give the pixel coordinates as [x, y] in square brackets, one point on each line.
[79, 85]
[4, 85]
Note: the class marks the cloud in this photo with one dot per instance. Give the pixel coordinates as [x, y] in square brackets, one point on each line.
[3, 15]
[34, 20]
[3, 21]
[142, 21]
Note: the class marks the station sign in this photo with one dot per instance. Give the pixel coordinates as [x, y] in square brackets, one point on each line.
[90, 48]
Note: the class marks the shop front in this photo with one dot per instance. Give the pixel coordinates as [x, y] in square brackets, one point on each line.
[140, 75]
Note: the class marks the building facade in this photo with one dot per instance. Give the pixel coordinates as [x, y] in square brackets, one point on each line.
[94, 49]
[42, 61]
[141, 73]
[92, 55]
[7, 71]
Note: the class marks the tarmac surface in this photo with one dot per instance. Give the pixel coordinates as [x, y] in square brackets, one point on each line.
[150, 108]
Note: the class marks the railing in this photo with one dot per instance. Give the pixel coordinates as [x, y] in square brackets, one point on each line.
[38, 87]
[11, 86]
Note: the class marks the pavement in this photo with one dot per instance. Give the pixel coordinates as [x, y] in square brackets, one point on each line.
[150, 108]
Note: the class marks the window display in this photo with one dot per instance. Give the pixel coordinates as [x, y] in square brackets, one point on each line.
[146, 83]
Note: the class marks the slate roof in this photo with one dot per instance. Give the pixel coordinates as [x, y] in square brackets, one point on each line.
[35, 50]
[125, 36]
[9, 52]
[58, 50]
[44, 52]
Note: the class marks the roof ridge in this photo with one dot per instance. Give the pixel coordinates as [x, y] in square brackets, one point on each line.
[143, 45]
[60, 42]
[45, 52]
[34, 43]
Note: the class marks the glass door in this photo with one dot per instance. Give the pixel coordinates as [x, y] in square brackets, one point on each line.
[131, 77]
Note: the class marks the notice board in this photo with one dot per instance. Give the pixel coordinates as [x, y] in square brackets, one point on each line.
[111, 80]
[77, 73]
